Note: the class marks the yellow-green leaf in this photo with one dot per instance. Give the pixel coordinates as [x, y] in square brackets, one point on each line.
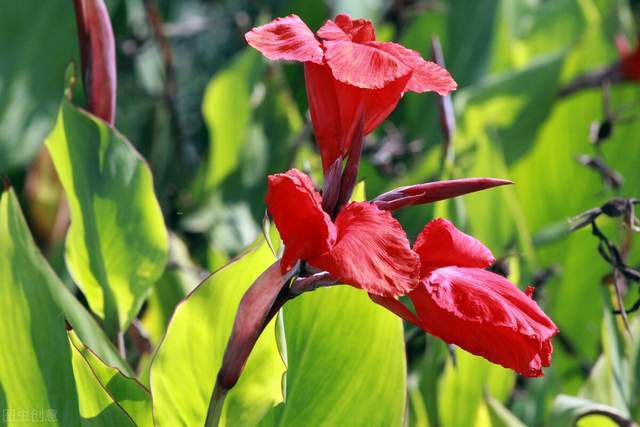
[116, 247]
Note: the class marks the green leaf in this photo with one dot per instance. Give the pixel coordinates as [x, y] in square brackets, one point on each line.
[31, 74]
[129, 394]
[417, 411]
[511, 106]
[184, 370]
[469, 40]
[227, 112]
[181, 277]
[567, 410]
[461, 388]
[116, 246]
[40, 375]
[346, 361]
[24, 264]
[96, 406]
[610, 381]
[526, 30]
[501, 416]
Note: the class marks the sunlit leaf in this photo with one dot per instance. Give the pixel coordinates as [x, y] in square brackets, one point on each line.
[117, 245]
[126, 392]
[346, 361]
[461, 388]
[43, 378]
[184, 370]
[24, 265]
[227, 111]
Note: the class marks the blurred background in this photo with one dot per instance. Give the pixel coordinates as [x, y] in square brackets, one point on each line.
[213, 118]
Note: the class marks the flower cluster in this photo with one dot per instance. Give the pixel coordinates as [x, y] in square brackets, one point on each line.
[353, 83]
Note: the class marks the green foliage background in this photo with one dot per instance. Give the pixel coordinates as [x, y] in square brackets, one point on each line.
[177, 191]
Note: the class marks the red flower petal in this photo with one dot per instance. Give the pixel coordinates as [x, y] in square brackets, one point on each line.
[427, 76]
[324, 110]
[486, 315]
[363, 66]
[286, 38]
[331, 31]
[371, 252]
[441, 244]
[332, 119]
[358, 30]
[296, 208]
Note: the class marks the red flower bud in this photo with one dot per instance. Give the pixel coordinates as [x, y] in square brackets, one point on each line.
[97, 54]
[434, 191]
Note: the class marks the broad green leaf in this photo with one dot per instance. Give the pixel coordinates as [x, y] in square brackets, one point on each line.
[552, 188]
[227, 112]
[23, 264]
[469, 40]
[185, 367]
[346, 362]
[511, 106]
[116, 246]
[181, 277]
[95, 406]
[127, 393]
[526, 30]
[41, 377]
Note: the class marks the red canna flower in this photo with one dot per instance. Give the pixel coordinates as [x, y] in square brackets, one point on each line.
[365, 247]
[629, 59]
[347, 74]
[482, 312]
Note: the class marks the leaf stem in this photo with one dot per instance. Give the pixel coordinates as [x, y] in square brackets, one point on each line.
[215, 406]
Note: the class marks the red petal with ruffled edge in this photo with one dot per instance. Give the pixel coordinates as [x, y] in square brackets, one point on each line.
[486, 315]
[371, 252]
[331, 31]
[441, 244]
[363, 66]
[331, 119]
[358, 30]
[287, 39]
[427, 76]
[296, 208]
